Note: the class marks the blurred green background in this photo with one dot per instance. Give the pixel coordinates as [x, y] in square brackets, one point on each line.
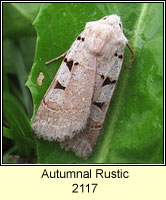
[19, 40]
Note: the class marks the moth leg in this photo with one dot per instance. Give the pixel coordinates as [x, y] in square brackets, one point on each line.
[133, 55]
[57, 58]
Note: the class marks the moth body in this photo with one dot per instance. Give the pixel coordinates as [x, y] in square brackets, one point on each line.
[75, 105]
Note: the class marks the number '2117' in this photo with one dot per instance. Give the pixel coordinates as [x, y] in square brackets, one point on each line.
[84, 188]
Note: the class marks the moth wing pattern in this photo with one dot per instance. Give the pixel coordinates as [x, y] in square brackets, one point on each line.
[108, 70]
[75, 105]
[84, 143]
[65, 108]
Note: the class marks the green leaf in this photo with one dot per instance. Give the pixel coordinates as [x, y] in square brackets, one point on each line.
[20, 129]
[14, 63]
[133, 129]
[7, 133]
[18, 18]
[11, 134]
[15, 115]
[5, 82]
[27, 49]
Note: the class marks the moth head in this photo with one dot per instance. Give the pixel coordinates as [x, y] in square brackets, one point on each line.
[113, 20]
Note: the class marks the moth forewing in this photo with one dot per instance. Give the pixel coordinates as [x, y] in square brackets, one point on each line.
[65, 108]
[75, 105]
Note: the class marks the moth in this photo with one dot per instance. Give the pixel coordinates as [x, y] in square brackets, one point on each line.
[75, 105]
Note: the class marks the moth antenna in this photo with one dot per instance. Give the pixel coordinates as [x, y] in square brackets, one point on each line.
[133, 55]
[57, 58]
